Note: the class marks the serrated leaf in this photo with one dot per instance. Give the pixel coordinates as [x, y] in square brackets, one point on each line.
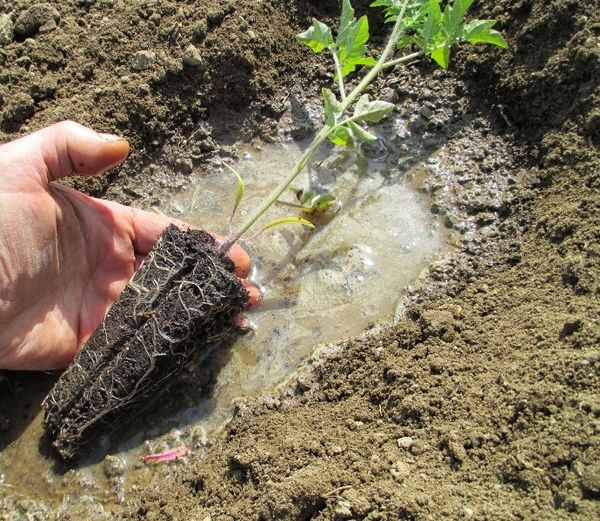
[318, 37]
[480, 31]
[361, 134]
[288, 220]
[341, 137]
[240, 187]
[351, 44]
[351, 64]
[333, 108]
[371, 111]
[433, 22]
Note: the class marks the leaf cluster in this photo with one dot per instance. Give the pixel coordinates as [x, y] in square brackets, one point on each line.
[350, 130]
[436, 31]
[350, 44]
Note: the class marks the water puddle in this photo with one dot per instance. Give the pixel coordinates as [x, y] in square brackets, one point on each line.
[320, 286]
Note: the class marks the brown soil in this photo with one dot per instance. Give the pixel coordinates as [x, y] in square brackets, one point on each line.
[482, 401]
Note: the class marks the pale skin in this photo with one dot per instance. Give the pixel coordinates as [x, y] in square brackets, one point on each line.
[64, 256]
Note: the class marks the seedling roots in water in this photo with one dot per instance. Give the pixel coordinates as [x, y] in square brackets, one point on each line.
[185, 296]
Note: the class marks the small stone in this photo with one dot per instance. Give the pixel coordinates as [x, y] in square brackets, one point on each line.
[192, 56]
[143, 60]
[468, 513]
[155, 18]
[400, 471]
[406, 442]
[590, 479]
[6, 29]
[114, 466]
[41, 18]
[343, 510]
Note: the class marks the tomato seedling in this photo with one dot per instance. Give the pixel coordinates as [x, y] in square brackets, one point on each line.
[421, 30]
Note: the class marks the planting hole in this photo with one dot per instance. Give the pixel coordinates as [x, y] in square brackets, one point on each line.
[319, 286]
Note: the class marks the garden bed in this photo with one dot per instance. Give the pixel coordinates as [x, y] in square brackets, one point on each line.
[481, 399]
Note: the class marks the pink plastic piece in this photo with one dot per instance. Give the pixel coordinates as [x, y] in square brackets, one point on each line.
[170, 455]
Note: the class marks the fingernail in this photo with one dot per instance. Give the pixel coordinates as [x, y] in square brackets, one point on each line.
[111, 137]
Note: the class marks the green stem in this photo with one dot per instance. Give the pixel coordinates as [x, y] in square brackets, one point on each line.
[404, 59]
[338, 73]
[290, 205]
[322, 135]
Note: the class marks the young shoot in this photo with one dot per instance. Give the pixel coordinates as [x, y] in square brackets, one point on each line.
[421, 30]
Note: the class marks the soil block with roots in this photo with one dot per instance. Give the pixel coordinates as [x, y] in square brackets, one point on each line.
[184, 298]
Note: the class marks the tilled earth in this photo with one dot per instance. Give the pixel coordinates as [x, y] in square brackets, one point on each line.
[482, 400]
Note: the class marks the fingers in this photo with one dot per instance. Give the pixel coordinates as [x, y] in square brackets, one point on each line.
[253, 293]
[145, 227]
[67, 148]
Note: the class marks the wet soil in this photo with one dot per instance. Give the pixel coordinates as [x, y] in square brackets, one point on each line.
[482, 399]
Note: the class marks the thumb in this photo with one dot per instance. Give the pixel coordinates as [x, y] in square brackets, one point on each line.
[70, 148]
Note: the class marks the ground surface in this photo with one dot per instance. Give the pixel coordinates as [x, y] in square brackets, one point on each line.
[482, 401]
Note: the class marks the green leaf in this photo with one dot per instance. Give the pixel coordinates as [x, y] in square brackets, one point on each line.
[351, 41]
[433, 22]
[454, 15]
[318, 37]
[351, 64]
[441, 55]
[362, 134]
[288, 220]
[306, 197]
[333, 108]
[480, 31]
[240, 187]
[319, 203]
[371, 111]
[347, 15]
[341, 137]
[413, 19]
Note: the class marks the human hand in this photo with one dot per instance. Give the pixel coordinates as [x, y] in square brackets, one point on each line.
[65, 257]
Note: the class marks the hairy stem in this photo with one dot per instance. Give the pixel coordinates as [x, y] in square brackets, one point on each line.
[404, 59]
[324, 133]
[338, 73]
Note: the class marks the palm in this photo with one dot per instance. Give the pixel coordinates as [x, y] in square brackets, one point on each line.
[64, 256]
[67, 269]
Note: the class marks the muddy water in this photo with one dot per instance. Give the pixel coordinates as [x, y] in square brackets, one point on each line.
[318, 286]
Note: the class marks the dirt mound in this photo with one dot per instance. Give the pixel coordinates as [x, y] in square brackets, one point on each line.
[154, 72]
